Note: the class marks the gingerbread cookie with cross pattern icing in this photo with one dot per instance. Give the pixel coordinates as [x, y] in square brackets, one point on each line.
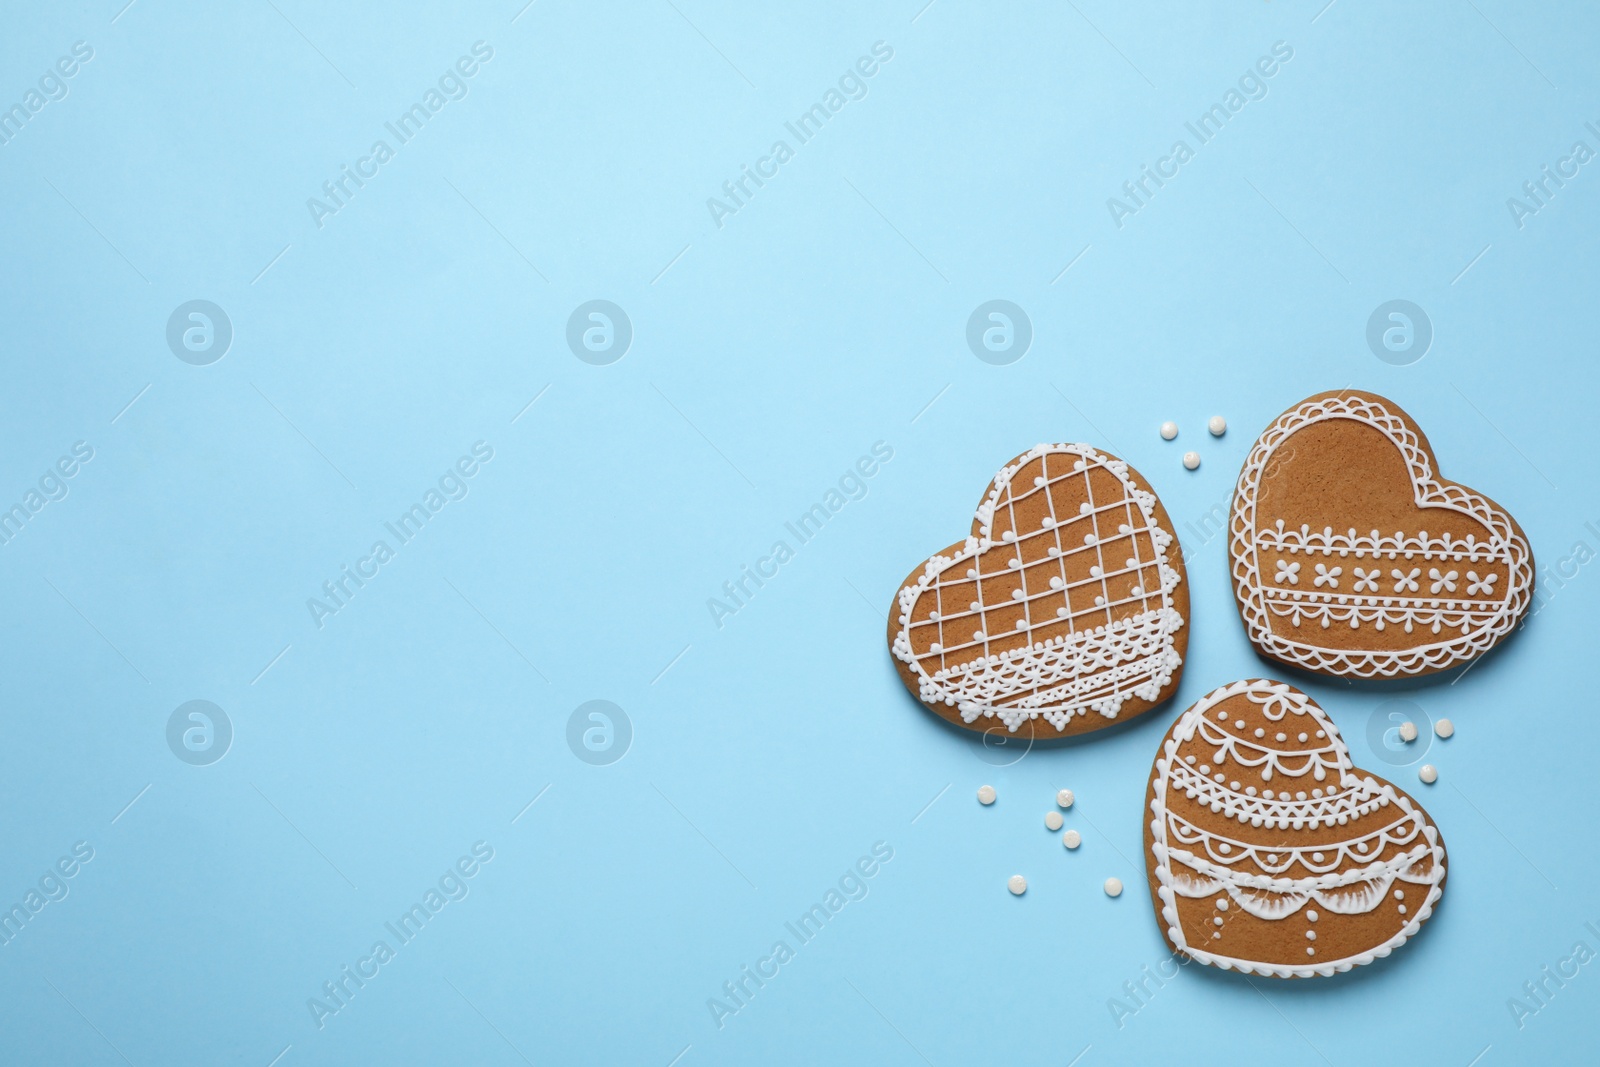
[1352, 557]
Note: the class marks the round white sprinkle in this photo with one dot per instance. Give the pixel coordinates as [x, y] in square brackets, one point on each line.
[1191, 460]
[1429, 773]
[1052, 820]
[1064, 798]
[1017, 884]
[1071, 839]
[1217, 425]
[1408, 731]
[1311, 935]
[1113, 887]
[1444, 727]
[986, 794]
[1169, 430]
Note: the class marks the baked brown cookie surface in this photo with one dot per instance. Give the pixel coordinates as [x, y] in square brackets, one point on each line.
[1352, 557]
[1062, 612]
[1269, 853]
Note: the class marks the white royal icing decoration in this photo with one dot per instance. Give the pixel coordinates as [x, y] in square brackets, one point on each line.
[1389, 840]
[1458, 596]
[1089, 643]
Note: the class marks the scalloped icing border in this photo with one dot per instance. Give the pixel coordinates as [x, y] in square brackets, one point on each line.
[1427, 492]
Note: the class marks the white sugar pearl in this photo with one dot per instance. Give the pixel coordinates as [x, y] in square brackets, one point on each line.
[1191, 460]
[1071, 839]
[1064, 798]
[1017, 884]
[1408, 731]
[1444, 727]
[1113, 887]
[1169, 430]
[1429, 773]
[1217, 425]
[1052, 820]
[986, 794]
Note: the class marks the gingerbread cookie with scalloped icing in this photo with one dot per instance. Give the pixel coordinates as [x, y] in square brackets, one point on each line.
[1352, 557]
[1063, 611]
[1269, 853]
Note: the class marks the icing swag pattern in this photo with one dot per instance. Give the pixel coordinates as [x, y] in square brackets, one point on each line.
[1256, 810]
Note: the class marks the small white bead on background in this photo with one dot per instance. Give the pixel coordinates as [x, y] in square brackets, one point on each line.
[1429, 773]
[1064, 798]
[1444, 727]
[1217, 425]
[1113, 887]
[986, 794]
[1052, 820]
[1071, 839]
[1191, 460]
[1017, 884]
[1408, 731]
[1169, 430]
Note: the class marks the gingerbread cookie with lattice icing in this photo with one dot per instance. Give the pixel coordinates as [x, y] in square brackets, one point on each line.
[1352, 557]
[1269, 853]
[1062, 612]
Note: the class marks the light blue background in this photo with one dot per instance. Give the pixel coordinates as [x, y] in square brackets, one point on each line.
[768, 355]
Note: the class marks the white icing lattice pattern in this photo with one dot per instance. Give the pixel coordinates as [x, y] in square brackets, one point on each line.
[1072, 615]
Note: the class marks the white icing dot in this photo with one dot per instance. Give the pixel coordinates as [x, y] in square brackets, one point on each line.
[1311, 935]
[1064, 798]
[1408, 731]
[986, 794]
[1281, 737]
[1084, 508]
[1191, 460]
[1303, 737]
[1217, 921]
[1311, 916]
[1224, 848]
[1429, 773]
[1402, 909]
[1260, 732]
[1222, 903]
[1399, 895]
[1322, 733]
[1310, 951]
[1444, 727]
[1113, 887]
[1316, 857]
[1017, 884]
[1071, 839]
[1216, 937]
[1238, 724]
[1052, 820]
[1217, 425]
[1169, 430]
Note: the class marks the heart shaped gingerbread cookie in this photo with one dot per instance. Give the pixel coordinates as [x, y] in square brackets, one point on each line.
[1268, 853]
[1352, 557]
[1062, 611]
